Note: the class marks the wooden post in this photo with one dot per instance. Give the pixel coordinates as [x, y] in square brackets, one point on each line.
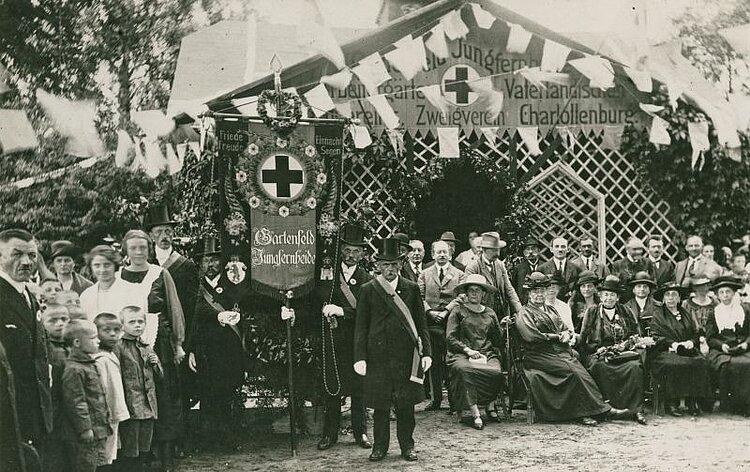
[292, 415]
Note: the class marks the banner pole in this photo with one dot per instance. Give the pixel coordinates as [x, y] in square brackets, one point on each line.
[292, 415]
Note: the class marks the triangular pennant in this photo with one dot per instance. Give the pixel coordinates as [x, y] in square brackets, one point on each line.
[313, 32]
[554, 56]
[434, 95]
[698, 132]
[650, 108]
[518, 39]
[124, 148]
[484, 19]
[597, 69]
[76, 120]
[384, 109]
[361, 136]
[406, 39]
[448, 142]
[372, 72]
[659, 133]
[436, 42]
[612, 137]
[409, 58]
[454, 26]
[537, 77]
[174, 164]
[530, 137]
[182, 151]
[340, 80]
[490, 134]
[195, 147]
[319, 100]
[139, 161]
[396, 138]
[344, 109]
[153, 122]
[641, 79]
[567, 135]
[16, 132]
[155, 160]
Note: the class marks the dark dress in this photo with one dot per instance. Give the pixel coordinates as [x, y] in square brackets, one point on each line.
[621, 384]
[473, 383]
[678, 376]
[561, 387]
[699, 313]
[733, 371]
[578, 308]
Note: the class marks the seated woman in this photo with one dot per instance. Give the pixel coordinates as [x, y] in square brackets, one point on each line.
[474, 343]
[700, 306]
[676, 363]
[556, 283]
[728, 334]
[607, 338]
[561, 387]
[642, 303]
[584, 297]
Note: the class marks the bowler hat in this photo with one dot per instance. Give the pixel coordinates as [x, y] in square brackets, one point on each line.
[727, 281]
[157, 215]
[63, 248]
[209, 246]
[474, 279]
[403, 240]
[611, 283]
[586, 277]
[642, 277]
[448, 236]
[531, 242]
[537, 280]
[353, 235]
[665, 287]
[389, 249]
[491, 240]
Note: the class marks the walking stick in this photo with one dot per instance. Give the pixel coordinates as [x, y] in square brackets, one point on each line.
[292, 416]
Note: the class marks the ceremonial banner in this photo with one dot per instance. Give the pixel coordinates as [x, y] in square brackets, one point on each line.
[275, 187]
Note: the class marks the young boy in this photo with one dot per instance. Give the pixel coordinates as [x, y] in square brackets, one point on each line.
[50, 289]
[69, 298]
[86, 416]
[139, 364]
[109, 330]
[55, 318]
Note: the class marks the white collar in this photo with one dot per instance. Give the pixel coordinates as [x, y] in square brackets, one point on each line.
[655, 261]
[559, 262]
[162, 254]
[348, 271]
[444, 267]
[489, 263]
[394, 283]
[19, 286]
[213, 282]
[696, 258]
[416, 267]
[638, 301]
[630, 258]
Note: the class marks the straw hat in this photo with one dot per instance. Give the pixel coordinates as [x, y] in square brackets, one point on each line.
[474, 279]
[537, 280]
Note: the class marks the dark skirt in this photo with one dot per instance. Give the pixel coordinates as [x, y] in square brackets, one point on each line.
[169, 425]
[681, 376]
[621, 384]
[472, 383]
[733, 373]
[561, 387]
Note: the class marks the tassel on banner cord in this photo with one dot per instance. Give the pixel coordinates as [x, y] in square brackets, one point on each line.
[155, 160]
[518, 39]
[454, 26]
[410, 58]
[436, 43]
[448, 142]
[567, 136]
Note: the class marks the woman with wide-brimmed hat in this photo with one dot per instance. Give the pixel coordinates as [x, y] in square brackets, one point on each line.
[474, 342]
[642, 304]
[584, 297]
[700, 305]
[728, 335]
[677, 365]
[605, 327]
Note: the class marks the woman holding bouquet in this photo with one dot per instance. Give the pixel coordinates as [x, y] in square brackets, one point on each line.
[728, 334]
[609, 336]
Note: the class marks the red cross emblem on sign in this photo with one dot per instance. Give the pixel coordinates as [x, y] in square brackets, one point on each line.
[281, 176]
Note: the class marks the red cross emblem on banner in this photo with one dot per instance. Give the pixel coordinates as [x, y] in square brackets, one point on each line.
[456, 85]
[282, 177]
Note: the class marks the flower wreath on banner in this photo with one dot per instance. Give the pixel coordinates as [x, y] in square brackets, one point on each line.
[248, 183]
[288, 106]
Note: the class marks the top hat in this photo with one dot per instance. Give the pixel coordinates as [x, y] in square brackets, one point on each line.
[353, 235]
[209, 246]
[587, 276]
[63, 248]
[665, 287]
[642, 277]
[474, 279]
[448, 236]
[727, 281]
[611, 283]
[536, 280]
[531, 242]
[491, 240]
[157, 215]
[403, 240]
[389, 249]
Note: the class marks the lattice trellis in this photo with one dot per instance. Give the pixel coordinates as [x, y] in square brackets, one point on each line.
[631, 209]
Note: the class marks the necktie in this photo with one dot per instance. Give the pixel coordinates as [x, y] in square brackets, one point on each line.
[441, 276]
[588, 263]
[416, 270]
[691, 268]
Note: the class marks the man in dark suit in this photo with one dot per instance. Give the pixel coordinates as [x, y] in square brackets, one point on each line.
[413, 265]
[634, 262]
[695, 264]
[663, 268]
[562, 265]
[339, 300]
[531, 249]
[23, 336]
[587, 260]
[391, 350]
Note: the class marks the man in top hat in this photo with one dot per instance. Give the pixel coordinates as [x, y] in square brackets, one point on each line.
[413, 266]
[634, 262]
[505, 301]
[391, 350]
[63, 265]
[473, 253]
[451, 240]
[562, 264]
[340, 298]
[215, 344]
[436, 285]
[663, 268]
[530, 250]
[587, 260]
[696, 263]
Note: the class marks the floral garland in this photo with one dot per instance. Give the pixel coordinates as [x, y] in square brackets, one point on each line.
[248, 183]
[288, 110]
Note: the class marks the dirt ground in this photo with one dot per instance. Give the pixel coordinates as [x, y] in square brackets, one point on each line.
[711, 442]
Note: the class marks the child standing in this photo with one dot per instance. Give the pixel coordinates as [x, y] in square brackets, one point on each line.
[55, 318]
[109, 330]
[86, 416]
[139, 365]
[50, 289]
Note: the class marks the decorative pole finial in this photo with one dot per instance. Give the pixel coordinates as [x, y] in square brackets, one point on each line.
[276, 67]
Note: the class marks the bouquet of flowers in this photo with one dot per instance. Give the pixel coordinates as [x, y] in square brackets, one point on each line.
[624, 351]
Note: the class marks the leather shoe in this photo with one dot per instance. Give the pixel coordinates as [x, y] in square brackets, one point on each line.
[409, 455]
[326, 443]
[588, 421]
[363, 442]
[432, 406]
[640, 418]
[674, 411]
[618, 414]
[377, 455]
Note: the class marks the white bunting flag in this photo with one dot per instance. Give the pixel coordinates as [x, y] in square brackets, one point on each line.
[448, 142]
[740, 105]
[153, 122]
[434, 95]
[436, 42]
[76, 120]
[410, 58]
[530, 137]
[174, 164]
[490, 134]
[124, 148]
[361, 136]
[195, 147]
[568, 137]
[317, 35]
[554, 56]
[674, 89]
[650, 108]
[537, 77]
[406, 39]
[372, 72]
[659, 133]
[155, 160]
[384, 109]
[597, 69]
[139, 161]
[340, 80]
[484, 19]
[182, 151]
[344, 109]
[396, 138]
[641, 79]
[698, 141]
[454, 26]
[16, 132]
[319, 100]
[612, 137]
[518, 39]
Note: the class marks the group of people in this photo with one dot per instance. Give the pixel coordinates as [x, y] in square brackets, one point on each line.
[101, 375]
[590, 340]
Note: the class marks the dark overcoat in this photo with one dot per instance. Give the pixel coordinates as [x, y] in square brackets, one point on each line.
[185, 276]
[383, 341]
